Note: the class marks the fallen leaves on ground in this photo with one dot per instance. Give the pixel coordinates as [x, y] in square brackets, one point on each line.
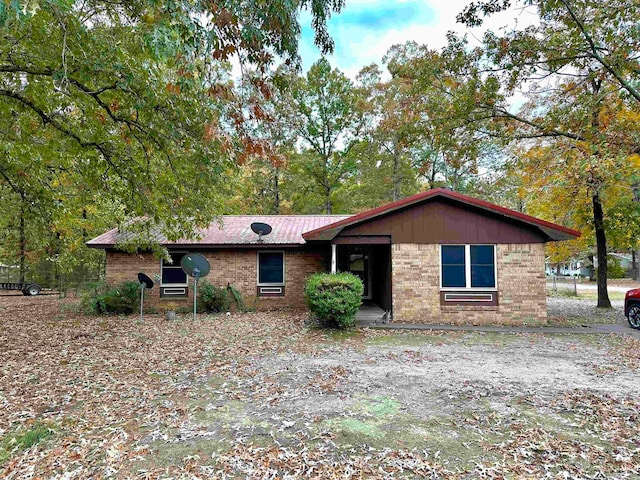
[85, 397]
[101, 380]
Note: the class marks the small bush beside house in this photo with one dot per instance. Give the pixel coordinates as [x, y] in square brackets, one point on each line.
[334, 298]
[123, 298]
[212, 299]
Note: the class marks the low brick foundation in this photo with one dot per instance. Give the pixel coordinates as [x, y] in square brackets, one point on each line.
[520, 280]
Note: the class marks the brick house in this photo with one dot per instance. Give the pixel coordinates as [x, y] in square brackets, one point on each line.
[435, 257]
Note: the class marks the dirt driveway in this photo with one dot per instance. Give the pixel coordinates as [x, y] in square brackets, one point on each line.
[261, 396]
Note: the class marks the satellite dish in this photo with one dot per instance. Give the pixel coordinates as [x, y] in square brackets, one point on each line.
[195, 265]
[261, 229]
[145, 280]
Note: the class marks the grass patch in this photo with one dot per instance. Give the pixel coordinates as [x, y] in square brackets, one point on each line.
[382, 406]
[578, 321]
[165, 454]
[562, 292]
[496, 339]
[570, 322]
[354, 431]
[613, 296]
[583, 294]
[23, 439]
[463, 446]
[339, 335]
[413, 339]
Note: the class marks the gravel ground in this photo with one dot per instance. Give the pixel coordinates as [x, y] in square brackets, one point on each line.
[572, 310]
[497, 371]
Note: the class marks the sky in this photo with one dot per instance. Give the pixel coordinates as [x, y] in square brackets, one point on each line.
[366, 29]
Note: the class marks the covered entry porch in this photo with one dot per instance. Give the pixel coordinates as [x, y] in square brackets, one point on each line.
[370, 259]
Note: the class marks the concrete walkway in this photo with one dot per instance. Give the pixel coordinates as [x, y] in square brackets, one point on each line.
[620, 328]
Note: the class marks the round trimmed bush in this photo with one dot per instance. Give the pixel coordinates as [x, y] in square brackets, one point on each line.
[334, 298]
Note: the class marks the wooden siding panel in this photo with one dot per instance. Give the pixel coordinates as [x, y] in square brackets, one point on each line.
[444, 222]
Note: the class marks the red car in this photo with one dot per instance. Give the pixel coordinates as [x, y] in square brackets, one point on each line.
[632, 307]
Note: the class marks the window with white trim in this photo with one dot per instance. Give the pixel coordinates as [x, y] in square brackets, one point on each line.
[172, 273]
[468, 266]
[270, 268]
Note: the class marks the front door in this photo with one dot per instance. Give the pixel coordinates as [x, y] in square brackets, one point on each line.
[357, 260]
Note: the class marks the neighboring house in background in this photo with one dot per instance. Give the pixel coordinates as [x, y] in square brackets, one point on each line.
[572, 268]
[583, 268]
[438, 256]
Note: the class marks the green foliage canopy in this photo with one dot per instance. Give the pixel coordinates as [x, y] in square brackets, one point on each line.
[112, 110]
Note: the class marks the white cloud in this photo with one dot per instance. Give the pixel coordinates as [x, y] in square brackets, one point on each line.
[358, 45]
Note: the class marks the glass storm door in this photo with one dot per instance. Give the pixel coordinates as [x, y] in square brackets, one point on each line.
[359, 266]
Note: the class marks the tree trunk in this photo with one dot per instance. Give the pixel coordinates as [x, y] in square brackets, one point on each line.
[84, 224]
[276, 191]
[328, 206]
[601, 251]
[22, 243]
[396, 168]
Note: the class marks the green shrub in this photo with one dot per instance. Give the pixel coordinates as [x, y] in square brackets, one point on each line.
[123, 298]
[211, 298]
[614, 269]
[334, 298]
[237, 297]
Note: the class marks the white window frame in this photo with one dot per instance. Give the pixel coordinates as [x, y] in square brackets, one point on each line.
[284, 269]
[467, 267]
[162, 284]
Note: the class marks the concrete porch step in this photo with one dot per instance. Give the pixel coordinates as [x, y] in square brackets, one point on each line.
[370, 314]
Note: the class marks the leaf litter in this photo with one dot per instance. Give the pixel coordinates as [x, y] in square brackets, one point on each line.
[261, 396]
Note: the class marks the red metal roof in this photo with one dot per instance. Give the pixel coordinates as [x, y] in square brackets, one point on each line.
[236, 230]
[297, 229]
[327, 232]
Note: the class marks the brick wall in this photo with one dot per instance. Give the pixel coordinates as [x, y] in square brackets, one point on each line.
[521, 287]
[122, 267]
[415, 277]
[229, 266]
[415, 283]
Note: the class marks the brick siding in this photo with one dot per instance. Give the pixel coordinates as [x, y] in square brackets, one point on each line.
[235, 267]
[415, 282]
[521, 287]
[123, 267]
